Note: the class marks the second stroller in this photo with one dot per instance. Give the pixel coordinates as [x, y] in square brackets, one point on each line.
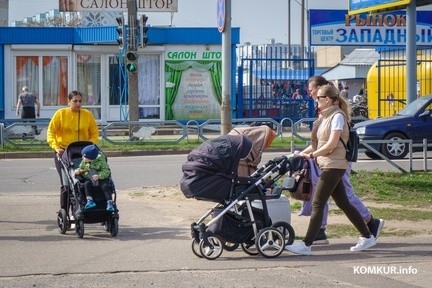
[210, 174]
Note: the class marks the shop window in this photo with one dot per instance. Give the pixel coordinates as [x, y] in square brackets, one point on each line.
[89, 81]
[53, 70]
[149, 86]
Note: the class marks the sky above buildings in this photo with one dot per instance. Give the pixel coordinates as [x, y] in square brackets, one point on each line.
[259, 21]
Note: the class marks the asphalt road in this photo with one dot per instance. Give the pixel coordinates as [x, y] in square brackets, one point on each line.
[39, 174]
[153, 249]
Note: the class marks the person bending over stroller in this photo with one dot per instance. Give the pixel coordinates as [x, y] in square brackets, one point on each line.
[95, 171]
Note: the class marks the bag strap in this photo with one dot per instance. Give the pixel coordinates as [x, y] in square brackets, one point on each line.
[340, 138]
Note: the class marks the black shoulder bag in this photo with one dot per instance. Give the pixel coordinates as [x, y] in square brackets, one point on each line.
[352, 145]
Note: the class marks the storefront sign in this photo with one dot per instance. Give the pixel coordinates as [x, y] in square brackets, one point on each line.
[337, 28]
[117, 5]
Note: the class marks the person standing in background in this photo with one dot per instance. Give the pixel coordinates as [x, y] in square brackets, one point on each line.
[344, 93]
[28, 105]
[69, 125]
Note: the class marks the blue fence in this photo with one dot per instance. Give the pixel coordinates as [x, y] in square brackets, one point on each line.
[272, 82]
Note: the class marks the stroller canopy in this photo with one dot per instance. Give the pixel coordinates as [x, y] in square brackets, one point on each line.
[210, 169]
[261, 137]
[73, 150]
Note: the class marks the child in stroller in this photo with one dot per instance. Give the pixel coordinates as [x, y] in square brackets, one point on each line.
[95, 171]
[211, 174]
[75, 213]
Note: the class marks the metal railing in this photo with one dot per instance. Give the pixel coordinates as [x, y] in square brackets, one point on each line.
[25, 133]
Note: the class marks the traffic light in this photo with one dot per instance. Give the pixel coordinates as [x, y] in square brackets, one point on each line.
[121, 32]
[132, 61]
[143, 30]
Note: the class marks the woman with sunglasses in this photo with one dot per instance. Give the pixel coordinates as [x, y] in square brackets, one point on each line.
[329, 153]
[375, 225]
[70, 124]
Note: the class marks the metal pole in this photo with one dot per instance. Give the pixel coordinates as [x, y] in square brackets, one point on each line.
[411, 51]
[226, 117]
[302, 29]
[132, 77]
[289, 28]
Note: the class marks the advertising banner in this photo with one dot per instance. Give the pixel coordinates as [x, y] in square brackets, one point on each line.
[338, 28]
[193, 75]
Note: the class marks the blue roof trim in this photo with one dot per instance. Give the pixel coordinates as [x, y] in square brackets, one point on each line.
[36, 35]
[108, 35]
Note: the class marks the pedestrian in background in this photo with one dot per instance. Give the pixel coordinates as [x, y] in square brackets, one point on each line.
[28, 106]
[344, 93]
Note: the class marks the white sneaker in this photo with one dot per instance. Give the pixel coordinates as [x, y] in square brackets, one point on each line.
[364, 243]
[299, 247]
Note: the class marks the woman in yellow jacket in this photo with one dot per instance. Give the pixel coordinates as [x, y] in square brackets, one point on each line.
[69, 125]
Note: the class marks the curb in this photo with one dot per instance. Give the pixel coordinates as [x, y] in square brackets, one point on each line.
[49, 154]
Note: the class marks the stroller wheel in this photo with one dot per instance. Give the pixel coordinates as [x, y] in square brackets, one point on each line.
[249, 247]
[287, 231]
[270, 242]
[229, 246]
[62, 221]
[79, 228]
[114, 227]
[196, 248]
[212, 251]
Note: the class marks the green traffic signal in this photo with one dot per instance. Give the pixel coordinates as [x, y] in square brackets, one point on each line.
[132, 61]
[131, 67]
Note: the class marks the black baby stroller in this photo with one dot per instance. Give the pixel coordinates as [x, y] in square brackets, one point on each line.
[70, 160]
[210, 174]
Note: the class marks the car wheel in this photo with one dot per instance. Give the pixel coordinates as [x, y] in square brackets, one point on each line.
[372, 155]
[395, 150]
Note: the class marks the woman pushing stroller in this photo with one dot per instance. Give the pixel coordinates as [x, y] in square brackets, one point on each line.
[328, 151]
[95, 171]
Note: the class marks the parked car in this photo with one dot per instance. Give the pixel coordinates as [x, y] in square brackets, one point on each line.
[413, 122]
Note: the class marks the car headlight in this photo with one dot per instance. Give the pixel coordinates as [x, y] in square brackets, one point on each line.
[361, 130]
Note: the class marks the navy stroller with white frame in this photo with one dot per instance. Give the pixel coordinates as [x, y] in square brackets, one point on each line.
[70, 160]
[210, 174]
